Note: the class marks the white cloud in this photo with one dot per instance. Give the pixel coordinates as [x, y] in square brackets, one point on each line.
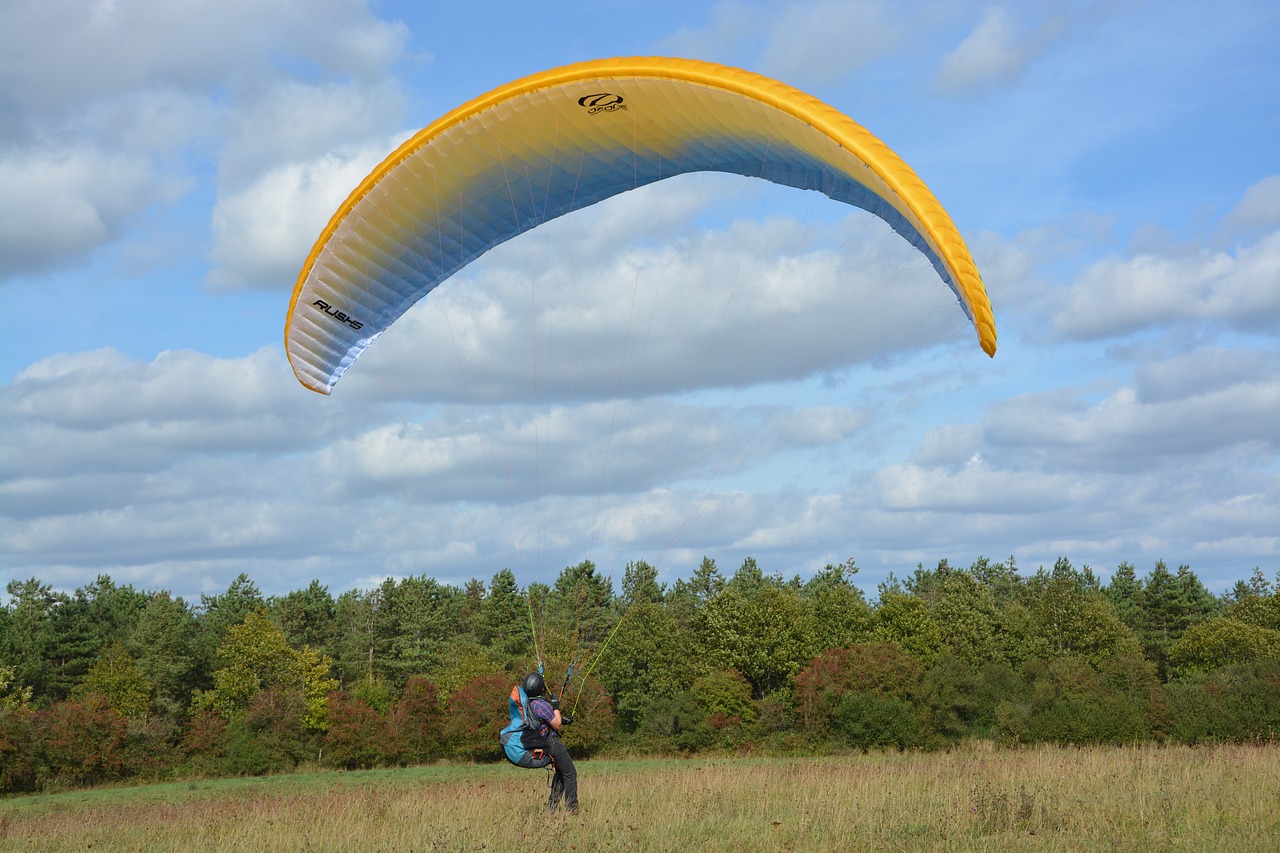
[138, 468]
[1117, 297]
[58, 204]
[979, 489]
[1122, 432]
[115, 107]
[290, 123]
[1181, 458]
[263, 232]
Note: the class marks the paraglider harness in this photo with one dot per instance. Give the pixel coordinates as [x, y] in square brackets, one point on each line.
[522, 742]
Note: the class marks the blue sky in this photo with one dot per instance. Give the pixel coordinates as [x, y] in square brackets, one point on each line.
[1114, 166]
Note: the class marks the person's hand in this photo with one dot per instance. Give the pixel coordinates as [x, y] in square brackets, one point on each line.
[555, 704]
[567, 719]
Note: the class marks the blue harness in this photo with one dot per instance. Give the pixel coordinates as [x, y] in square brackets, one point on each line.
[521, 741]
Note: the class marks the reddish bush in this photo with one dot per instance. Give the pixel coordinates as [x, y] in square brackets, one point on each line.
[869, 668]
[593, 718]
[415, 722]
[475, 715]
[82, 741]
[357, 733]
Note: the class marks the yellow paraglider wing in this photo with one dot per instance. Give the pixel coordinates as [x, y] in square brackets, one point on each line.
[558, 141]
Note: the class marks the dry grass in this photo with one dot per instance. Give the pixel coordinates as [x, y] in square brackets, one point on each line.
[980, 798]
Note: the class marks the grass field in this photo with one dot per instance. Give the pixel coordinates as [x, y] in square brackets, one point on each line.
[977, 798]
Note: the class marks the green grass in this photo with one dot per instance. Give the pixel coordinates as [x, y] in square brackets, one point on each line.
[977, 798]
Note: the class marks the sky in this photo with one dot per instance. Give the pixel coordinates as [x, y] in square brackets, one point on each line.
[711, 366]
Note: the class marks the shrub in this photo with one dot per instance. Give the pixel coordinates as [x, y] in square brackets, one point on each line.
[357, 735]
[594, 721]
[475, 715]
[878, 668]
[82, 742]
[17, 754]
[1071, 703]
[414, 723]
[679, 723]
[864, 719]
[204, 743]
[947, 701]
[1236, 703]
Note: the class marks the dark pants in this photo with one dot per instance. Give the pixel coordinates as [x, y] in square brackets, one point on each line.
[565, 782]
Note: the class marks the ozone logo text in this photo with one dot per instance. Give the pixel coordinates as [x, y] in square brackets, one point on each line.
[601, 102]
[340, 316]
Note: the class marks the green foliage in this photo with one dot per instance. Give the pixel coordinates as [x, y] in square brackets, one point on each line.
[871, 668]
[968, 619]
[640, 584]
[217, 613]
[18, 744]
[678, 723]
[865, 720]
[256, 658]
[724, 697]
[762, 630]
[948, 703]
[306, 616]
[163, 645]
[1073, 619]
[12, 694]
[240, 685]
[502, 623]
[461, 662]
[1071, 703]
[841, 615]
[1236, 703]
[1223, 641]
[115, 677]
[29, 634]
[647, 661]
[904, 620]
[1260, 610]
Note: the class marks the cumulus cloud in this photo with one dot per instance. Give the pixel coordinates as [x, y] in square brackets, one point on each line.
[1124, 432]
[119, 464]
[1117, 297]
[113, 109]
[1180, 456]
[292, 122]
[263, 232]
[100, 411]
[58, 204]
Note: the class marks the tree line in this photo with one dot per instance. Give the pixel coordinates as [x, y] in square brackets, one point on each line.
[111, 682]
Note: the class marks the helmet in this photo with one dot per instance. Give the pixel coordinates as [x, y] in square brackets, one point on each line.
[533, 684]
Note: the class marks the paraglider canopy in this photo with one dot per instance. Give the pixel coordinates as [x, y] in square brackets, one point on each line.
[559, 141]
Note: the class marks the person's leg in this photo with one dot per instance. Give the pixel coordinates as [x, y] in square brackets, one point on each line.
[566, 780]
[557, 789]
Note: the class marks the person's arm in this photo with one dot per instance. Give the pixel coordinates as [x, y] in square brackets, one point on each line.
[556, 720]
